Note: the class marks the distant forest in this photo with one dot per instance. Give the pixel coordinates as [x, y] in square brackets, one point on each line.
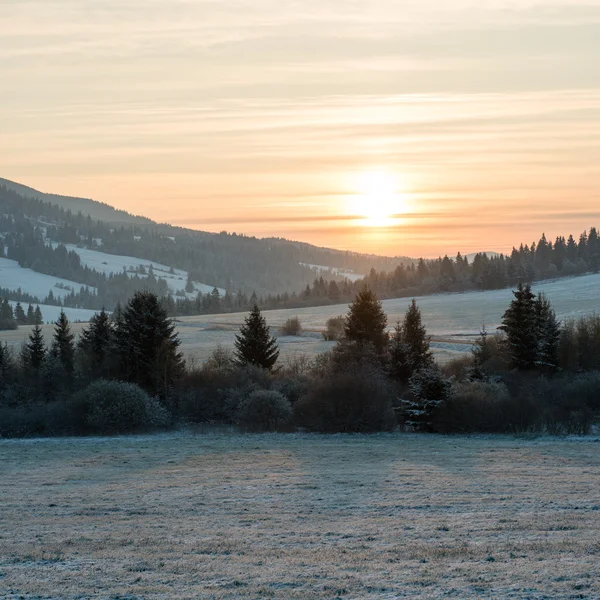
[269, 272]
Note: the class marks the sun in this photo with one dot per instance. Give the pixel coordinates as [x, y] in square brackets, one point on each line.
[378, 199]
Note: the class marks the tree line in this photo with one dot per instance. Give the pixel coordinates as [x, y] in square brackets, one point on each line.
[126, 373]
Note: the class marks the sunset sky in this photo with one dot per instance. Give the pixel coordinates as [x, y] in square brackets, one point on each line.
[414, 127]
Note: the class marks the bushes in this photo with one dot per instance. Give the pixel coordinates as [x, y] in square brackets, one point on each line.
[291, 327]
[357, 401]
[334, 329]
[264, 410]
[41, 419]
[119, 407]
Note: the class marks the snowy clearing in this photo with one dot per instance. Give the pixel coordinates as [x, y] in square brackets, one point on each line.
[51, 313]
[300, 516]
[13, 277]
[325, 271]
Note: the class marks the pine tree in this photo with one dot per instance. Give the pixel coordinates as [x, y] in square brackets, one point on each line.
[63, 346]
[35, 349]
[20, 315]
[37, 316]
[366, 322]
[548, 334]
[147, 346]
[520, 325]
[30, 315]
[254, 345]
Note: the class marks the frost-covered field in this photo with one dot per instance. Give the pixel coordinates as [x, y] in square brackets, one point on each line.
[453, 319]
[299, 516]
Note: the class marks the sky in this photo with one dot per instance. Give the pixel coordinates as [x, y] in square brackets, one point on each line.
[413, 127]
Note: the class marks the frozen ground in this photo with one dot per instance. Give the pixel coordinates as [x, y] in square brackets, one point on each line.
[299, 516]
[453, 320]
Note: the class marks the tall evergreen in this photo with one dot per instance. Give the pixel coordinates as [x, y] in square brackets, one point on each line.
[38, 318]
[409, 346]
[147, 346]
[366, 322]
[95, 343]
[254, 344]
[30, 315]
[548, 334]
[7, 319]
[63, 345]
[520, 323]
[20, 315]
[35, 349]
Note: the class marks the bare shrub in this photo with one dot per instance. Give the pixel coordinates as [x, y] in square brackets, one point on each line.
[291, 327]
[264, 410]
[347, 401]
[221, 361]
[334, 329]
[458, 367]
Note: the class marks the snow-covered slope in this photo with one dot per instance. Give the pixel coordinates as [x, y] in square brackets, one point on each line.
[324, 270]
[110, 263]
[13, 277]
[51, 313]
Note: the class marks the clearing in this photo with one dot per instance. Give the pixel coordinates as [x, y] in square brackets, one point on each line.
[300, 516]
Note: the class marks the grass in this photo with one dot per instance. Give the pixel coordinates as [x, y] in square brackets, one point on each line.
[300, 516]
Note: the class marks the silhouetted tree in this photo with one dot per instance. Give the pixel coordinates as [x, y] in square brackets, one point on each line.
[254, 345]
[63, 345]
[521, 327]
[366, 322]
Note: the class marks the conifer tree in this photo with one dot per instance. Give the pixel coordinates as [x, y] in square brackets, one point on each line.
[409, 347]
[254, 344]
[95, 343]
[147, 346]
[521, 327]
[35, 349]
[366, 322]
[20, 315]
[63, 346]
[37, 316]
[30, 315]
[7, 319]
[548, 334]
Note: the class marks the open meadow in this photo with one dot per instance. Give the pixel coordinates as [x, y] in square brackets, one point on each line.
[300, 516]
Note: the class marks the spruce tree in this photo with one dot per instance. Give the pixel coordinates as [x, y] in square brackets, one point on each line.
[30, 315]
[147, 346]
[37, 316]
[20, 315]
[35, 349]
[548, 334]
[94, 345]
[7, 319]
[63, 346]
[366, 322]
[521, 327]
[409, 347]
[254, 345]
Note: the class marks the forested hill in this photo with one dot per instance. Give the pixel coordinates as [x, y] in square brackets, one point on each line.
[92, 208]
[65, 238]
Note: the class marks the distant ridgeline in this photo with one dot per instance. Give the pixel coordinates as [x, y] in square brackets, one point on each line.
[276, 273]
